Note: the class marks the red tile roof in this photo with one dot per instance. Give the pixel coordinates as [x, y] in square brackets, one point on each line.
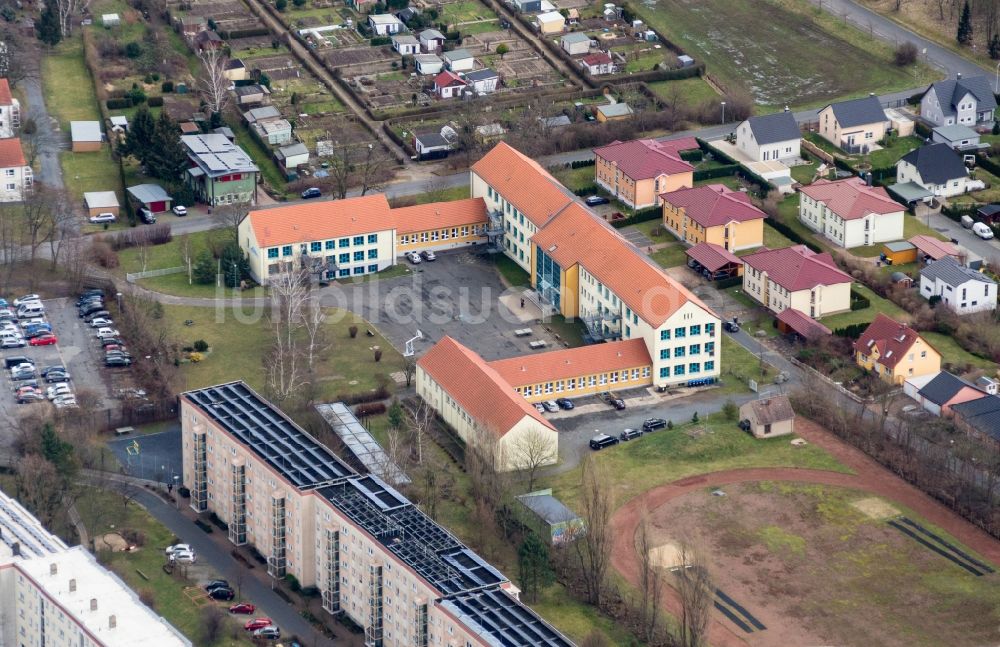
[851, 198]
[600, 58]
[936, 249]
[6, 99]
[803, 324]
[477, 387]
[577, 236]
[310, 221]
[641, 159]
[11, 153]
[438, 215]
[523, 182]
[712, 257]
[797, 268]
[891, 338]
[573, 362]
[713, 205]
[447, 78]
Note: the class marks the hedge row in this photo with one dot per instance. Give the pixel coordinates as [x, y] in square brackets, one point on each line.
[583, 163]
[644, 215]
[695, 155]
[120, 103]
[922, 129]
[380, 393]
[244, 33]
[852, 331]
[586, 190]
[988, 164]
[154, 102]
[859, 301]
[731, 282]
[719, 171]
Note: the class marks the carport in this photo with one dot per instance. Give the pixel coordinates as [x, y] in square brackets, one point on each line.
[714, 262]
[794, 322]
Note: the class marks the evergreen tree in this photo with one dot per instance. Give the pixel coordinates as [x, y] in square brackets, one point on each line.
[995, 47]
[139, 140]
[49, 31]
[235, 266]
[533, 566]
[166, 158]
[58, 452]
[396, 418]
[203, 271]
[964, 35]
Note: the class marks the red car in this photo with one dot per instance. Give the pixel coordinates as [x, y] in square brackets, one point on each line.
[44, 340]
[257, 623]
[243, 607]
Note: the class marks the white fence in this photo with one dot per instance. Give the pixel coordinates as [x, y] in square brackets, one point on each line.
[132, 277]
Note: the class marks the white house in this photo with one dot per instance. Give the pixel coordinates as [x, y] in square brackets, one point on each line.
[431, 40]
[769, 137]
[15, 174]
[598, 63]
[961, 288]
[459, 60]
[406, 44]
[385, 24]
[431, 144]
[966, 102]
[575, 43]
[292, 156]
[448, 85]
[937, 168]
[483, 81]
[10, 111]
[427, 64]
[851, 213]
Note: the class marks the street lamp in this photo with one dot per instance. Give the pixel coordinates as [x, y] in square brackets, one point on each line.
[118, 296]
[723, 112]
[998, 79]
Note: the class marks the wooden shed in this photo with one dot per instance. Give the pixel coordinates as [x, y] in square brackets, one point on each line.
[768, 417]
[899, 252]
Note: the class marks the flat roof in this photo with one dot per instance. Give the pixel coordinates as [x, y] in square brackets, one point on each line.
[899, 246]
[301, 459]
[501, 621]
[361, 443]
[100, 199]
[85, 131]
[20, 530]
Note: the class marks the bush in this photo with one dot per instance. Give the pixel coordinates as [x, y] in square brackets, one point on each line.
[380, 393]
[293, 583]
[118, 104]
[200, 345]
[852, 331]
[102, 254]
[380, 40]
[167, 86]
[693, 155]
[133, 50]
[154, 102]
[370, 409]
[730, 410]
[859, 301]
[137, 95]
[280, 5]
[157, 234]
[353, 331]
[905, 54]
[582, 163]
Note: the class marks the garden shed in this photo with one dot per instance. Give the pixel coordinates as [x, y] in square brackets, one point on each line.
[549, 517]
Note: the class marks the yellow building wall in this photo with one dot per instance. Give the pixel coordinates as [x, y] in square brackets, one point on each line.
[742, 235]
[587, 384]
[646, 192]
[913, 365]
[569, 295]
[469, 234]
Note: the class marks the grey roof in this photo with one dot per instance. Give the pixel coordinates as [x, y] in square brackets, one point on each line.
[555, 122]
[292, 150]
[457, 55]
[615, 109]
[100, 199]
[361, 443]
[950, 91]
[956, 132]
[936, 163]
[432, 140]
[909, 191]
[405, 39]
[771, 410]
[982, 414]
[85, 131]
[989, 210]
[431, 34]
[262, 113]
[384, 19]
[247, 90]
[146, 193]
[548, 508]
[943, 388]
[773, 128]
[899, 276]
[225, 131]
[235, 64]
[216, 155]
[576, 37]
[427, 58]
[481, 75]
[119, 120]
[949, 271]
[899, 246]
[858, 112]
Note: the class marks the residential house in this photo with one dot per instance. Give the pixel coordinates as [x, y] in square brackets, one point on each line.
[274, 132]
[638, 171]
[980, 419]
[207, 39]
[86, 136]
[963, 101]
[236, 70]
[149, 196]
[769, 137]
[385, 24]
[550, 518]
[613, 112]
[427, 64]
[714, 213]
[483, 81]
[931, 249]
[935, 167]
[961, 138]
[431, 41]
[713, 261]
[768, 417]
[575, 43]
[248, 95]
[98, 202]
[291, 157]
[894, 351]
[16, 177]
[598, 63]
[432, 145]
[944, 391]
[853, 125]
[220, 172]
[10, 111]
[961, 288]
[988, 384]
[850, 213]
[448, 85]
[406, 44]
[458, 60]
[797, 277]
[798, 325]
[550, 22]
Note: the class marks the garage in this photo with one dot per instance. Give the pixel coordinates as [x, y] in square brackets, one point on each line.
[150, 196]
[98, 202]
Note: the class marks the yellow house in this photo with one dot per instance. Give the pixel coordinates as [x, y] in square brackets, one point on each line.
[636, 172]
[440, 225]
[853, 125]
[895, 352]
[714, 214]
[796, 277]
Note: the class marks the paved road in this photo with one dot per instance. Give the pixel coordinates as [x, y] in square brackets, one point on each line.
[986, 249]
[891, 32]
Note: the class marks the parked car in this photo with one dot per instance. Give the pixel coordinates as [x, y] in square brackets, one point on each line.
[88, 293]
[12, 342]
[20, 376]
[257, 623]
[550, 406]
[652, 424]
[104, 333]
[32, 321]
[600, 441]
[27, 297]
[428, 255]
[413, 257]
[629, 434]
[117, 362]
[184, 557]
[180, 210]
[177, 548]
[57, 376]
[100, 314]
[214, 584]
[31, 333]
[982, 230]
[30, 396]
[539, 407]
[90, 308]
[242, 607]
[311, 192]
[47, 339]
[731, 326]
[101, 322]
[594, 200]
[61, 389]
[102, 218]
[222, 593]
[112, 341]
[50, 369]
[270, 633]
[565, 403]
[147, 216]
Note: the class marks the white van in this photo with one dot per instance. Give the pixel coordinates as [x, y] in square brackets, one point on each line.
[982, 230]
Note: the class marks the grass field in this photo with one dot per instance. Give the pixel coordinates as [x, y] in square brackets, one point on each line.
[769, 48]
[66, 83]
[865, 315]
[575, 178]
[952, 353]
[672, 256]
[95, 171]
[511, 272]
[691, 92]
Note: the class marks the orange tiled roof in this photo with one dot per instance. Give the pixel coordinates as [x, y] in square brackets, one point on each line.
[6, 99]
[438, 215]
[477, 387]
[11, 153]
[523, 182]
[573, 362]
[309, 221]
[577, 235]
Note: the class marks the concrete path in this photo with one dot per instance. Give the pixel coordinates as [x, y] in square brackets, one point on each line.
[51, 140]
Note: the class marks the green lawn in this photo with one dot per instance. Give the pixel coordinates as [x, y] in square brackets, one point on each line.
[739, 364]
[954, 354]
[464, 11]
[773, 239]
[691, 92]
[479, 27]
[668, 455]
[991, 194]
[511, 271]
[804, 173]
[672, 256]
[575, 178]
[261, 157]
[912, 226]
[890, 155]
[95, 171]
[866, 315]
[67, 85]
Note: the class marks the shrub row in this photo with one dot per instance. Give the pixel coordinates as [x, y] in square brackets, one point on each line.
[719, 171]
[586, 190]
[922, 129]
[154, 102]
[988, 164]
[120, 103]
[380, 40]
[370, 409]
[157, 234]
[380, 393]
[582, 163]
[852, 331]
[693, 155]
[859, 301]
[232, 34]
[731, 282]
[644, 215]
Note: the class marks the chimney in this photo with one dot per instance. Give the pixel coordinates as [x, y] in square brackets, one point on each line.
[112, 622]
[72, 585]
[958, 76]
[53, 568]
[93, 604]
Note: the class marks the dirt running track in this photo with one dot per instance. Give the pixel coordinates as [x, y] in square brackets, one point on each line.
[869, 476]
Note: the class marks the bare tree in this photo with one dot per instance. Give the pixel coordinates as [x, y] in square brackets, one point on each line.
[284, 365]
[694, 586]
[372, 169]
[419, 422]
[61, 224]
[39, 487]
[485, 463]
[229, 217]
[341, 169]
[314, 322]
[213, 83]
[66, 10]
[533, 450]
[433, 482]
[409, 370]
[184, 244]
[650, 580]
[593, 549]
[143, 253]
[34, 217]
[18, 56]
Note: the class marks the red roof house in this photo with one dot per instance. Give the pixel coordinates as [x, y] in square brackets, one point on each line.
[797, 277]
[599, 63]
[447, 85]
